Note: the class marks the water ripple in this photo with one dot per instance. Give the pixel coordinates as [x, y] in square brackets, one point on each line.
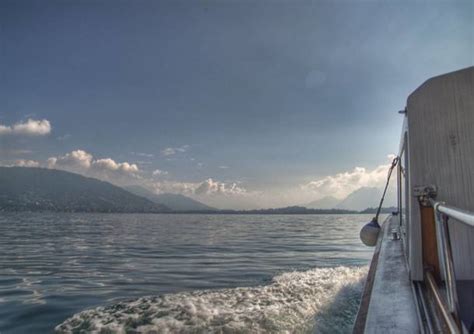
[55, 265]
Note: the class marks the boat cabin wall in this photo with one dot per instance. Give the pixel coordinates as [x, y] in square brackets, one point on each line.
[440, 137]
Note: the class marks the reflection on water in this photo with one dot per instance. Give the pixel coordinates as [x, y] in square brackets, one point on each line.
[55, 265]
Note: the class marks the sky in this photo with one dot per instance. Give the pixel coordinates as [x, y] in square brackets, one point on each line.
[240, 104]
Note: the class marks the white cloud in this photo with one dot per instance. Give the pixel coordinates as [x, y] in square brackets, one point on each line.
[26, 163]
[20, 163]
[75, 160]
[211, 187]
[168, 151]
[143, 162]
[183, 148]
[173, 150]
[29, 128]
[228, 195]
[80, 161]
[175, 187]
[223, 167]
[64, 137]
[18, 151]
[213, 193]
[159, 172]
[142, 154]
[110, 164]
[342, 184]
[207, 187]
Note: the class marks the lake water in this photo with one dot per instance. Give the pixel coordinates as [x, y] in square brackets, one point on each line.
[196, 273]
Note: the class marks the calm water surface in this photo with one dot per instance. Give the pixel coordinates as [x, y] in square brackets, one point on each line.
[53, 266]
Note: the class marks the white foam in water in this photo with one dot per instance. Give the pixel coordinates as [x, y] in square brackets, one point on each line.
[322, 300]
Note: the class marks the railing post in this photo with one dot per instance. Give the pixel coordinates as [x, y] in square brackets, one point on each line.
[441, 242]
[449, 270]
[442, 212]
[446, 257]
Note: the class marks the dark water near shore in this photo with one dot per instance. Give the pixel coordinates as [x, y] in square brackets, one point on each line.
[222, 272]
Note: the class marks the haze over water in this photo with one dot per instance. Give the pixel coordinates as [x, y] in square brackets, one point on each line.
[56, 265]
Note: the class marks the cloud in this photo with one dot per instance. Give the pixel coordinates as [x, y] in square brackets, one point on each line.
[168, 151]
[223, 167]
[109, 164]
[173, 150]
[26, 163]
[214, 193]
[64, 137]
[207, 187]
[29, 128]
[83, 162]
[342, 184]
[78, 159]
[18, 151]
[20, 163]
[210, 187]
[141, 154]
[175, 187]
[159, 172]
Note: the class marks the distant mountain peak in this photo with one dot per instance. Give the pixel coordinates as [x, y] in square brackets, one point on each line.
[327, 202]
[360, 199]
[365, 197]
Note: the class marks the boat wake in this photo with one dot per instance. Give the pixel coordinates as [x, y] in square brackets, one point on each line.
[322, 300]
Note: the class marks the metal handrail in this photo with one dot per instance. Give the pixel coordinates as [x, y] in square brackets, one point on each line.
[463, 216]
[447, 263]
[442, 214]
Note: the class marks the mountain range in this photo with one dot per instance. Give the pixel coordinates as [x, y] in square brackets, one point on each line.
[327, 202]
[175, 202]
[40, 189]
[360, 199]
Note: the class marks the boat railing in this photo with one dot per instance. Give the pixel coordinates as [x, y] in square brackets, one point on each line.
[443, 213]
